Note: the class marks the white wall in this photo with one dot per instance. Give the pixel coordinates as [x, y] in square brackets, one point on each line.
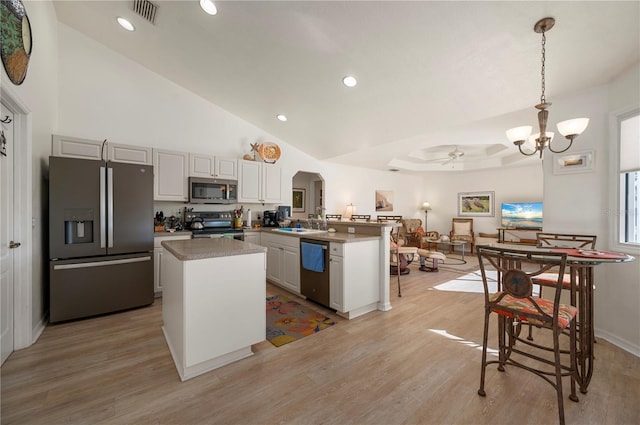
[104, 95]
[441, 190]
[580, 203]
[39, 93]
[618, 288]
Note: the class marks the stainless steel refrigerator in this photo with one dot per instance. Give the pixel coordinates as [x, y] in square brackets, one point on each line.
[100, 237]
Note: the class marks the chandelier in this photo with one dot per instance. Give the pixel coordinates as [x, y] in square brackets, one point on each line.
[569, 129]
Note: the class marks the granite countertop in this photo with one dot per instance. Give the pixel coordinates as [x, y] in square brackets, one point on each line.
[340, 237]
[198, 249]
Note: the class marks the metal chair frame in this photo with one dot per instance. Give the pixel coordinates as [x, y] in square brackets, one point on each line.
[361, 217]
[515, 269]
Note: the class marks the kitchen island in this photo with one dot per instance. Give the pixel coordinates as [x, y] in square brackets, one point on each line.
[213, 306]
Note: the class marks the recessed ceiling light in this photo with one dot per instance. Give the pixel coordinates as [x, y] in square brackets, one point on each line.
[209, 7]
[349, 81]
[124, 23]
[281, 117]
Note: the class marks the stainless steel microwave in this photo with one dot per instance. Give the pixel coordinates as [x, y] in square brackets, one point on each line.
[212, 191]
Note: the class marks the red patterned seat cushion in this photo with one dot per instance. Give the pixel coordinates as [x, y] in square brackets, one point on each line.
[565, 314]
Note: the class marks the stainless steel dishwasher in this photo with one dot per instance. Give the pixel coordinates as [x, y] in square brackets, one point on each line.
[314, 270]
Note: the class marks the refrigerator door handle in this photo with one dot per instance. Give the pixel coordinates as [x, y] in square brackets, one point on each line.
[110, 206]
[103, 209]
[101, 263]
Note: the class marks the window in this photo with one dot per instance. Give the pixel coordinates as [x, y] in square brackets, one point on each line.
[628, 169]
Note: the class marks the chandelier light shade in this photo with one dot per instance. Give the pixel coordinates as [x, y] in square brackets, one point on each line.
[569, 128]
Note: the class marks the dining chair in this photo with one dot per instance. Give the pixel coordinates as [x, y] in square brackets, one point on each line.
[560, 241]
[514, 304]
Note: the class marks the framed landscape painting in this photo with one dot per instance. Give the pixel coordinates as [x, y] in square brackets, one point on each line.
[478, 204]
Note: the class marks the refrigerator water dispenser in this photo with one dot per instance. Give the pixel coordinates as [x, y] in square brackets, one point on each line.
[78, 225]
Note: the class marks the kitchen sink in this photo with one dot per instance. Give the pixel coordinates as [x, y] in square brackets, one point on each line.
[296, 230]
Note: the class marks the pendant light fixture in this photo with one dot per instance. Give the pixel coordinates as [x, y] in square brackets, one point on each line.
[569, 129]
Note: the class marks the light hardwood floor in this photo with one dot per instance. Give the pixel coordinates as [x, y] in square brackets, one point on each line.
[395, 367]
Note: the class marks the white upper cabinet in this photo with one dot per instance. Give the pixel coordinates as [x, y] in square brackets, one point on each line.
[259, 182]
[201, 165]
[129, 154]
[210, 166]
[226, 168]
[73, 147]
[249, 181]
[171, 175]
[271, 183]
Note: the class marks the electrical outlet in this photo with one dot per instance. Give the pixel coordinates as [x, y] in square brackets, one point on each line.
[351, 229]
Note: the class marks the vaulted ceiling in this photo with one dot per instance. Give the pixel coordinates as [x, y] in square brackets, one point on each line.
[432, 76]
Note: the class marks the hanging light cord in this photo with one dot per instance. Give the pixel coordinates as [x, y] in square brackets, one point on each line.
[543, 99]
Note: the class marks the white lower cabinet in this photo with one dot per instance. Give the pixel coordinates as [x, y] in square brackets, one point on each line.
[283, 260]
[158, 252]
[354, 278]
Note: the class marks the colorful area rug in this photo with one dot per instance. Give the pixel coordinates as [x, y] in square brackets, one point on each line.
[288, 321]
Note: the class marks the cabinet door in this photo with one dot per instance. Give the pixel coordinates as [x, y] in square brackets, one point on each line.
[200, 165]
[336, 283]
[171, 173]
[249, 179]
[72, 147]
[271, 183]
[253, 237]
[157, 270]
[226, 168]
[129, 154]
[291, 269]
[274, 263]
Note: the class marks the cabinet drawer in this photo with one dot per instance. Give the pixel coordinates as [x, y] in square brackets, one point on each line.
[336, 249]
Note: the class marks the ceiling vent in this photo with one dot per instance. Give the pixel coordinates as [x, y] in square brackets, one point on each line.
[146, 9]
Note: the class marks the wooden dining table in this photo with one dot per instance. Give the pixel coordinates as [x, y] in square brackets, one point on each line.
[581, 263]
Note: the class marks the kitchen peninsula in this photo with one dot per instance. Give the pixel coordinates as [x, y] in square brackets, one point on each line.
[213, 306]
[359, 258]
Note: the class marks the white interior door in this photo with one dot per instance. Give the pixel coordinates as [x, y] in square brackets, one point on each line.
[7, 242]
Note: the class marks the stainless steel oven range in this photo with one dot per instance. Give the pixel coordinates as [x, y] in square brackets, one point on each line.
[211, 224]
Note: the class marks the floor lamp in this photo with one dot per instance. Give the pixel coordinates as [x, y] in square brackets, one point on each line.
[426, 207]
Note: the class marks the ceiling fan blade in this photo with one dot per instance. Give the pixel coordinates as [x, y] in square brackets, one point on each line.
[436, 159]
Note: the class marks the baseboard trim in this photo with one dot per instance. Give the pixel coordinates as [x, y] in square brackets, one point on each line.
[618, 342]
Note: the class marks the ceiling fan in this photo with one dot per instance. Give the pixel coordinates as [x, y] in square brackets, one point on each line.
[451, 157]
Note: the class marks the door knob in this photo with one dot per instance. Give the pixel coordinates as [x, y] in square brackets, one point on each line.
[13, 244]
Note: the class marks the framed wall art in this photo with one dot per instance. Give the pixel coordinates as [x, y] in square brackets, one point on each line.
[384, 200]
[298, 200]
[476, 204]
[576, 162]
